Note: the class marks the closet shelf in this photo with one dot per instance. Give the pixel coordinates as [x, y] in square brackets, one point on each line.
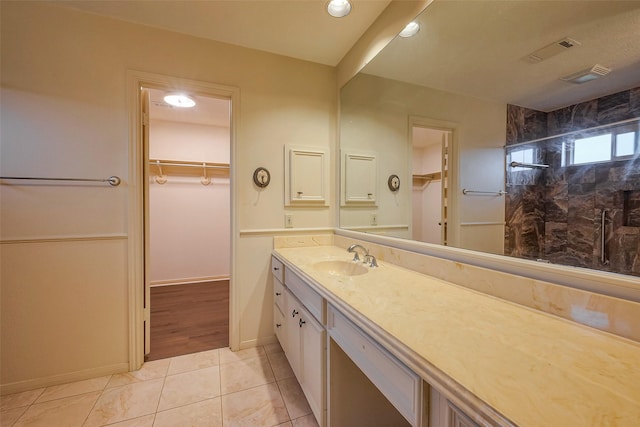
[188, 168]
[419, 179]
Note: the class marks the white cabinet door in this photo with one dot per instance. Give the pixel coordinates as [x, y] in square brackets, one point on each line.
[306, 176]
[292, 332]
[312, 362]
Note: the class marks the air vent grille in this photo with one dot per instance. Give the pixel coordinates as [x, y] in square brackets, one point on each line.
[553, 49]
[588, 74]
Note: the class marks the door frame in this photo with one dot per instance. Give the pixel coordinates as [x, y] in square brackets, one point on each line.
[136, 189]
[453, 221]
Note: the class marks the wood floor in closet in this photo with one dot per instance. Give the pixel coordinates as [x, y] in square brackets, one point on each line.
[189, 318]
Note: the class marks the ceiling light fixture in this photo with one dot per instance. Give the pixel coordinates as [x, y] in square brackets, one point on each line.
[339, 8]
[588, 74]
[410, 30]
[179, 100]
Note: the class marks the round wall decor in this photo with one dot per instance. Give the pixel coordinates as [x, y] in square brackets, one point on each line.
[261, 177]
[394, 183]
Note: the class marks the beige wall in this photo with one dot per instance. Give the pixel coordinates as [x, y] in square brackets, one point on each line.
[64, 113]
[375, 114]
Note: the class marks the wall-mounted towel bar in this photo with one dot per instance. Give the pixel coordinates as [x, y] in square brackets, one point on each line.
[528, 165]
[496, 193]
[114, 181]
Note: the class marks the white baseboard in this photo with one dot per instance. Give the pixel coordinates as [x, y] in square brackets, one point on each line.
[188, 281]
[258, 342]
[69, 377]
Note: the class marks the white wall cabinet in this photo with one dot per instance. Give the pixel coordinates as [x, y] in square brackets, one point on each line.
[360, 179]
[306, 176]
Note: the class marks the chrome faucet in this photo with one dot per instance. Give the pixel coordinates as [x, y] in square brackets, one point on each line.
[367, 259]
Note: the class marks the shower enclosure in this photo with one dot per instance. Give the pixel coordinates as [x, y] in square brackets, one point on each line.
[573, 184]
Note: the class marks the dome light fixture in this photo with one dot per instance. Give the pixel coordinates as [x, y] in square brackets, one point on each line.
[339, 8]
[179, 100]
[410, 30]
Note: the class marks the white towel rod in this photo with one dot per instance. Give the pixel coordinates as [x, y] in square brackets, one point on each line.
[498, 193]
[114, 181]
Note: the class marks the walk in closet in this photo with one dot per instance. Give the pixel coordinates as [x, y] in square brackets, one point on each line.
[188, 212]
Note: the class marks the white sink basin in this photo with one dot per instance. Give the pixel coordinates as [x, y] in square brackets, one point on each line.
[341, 268]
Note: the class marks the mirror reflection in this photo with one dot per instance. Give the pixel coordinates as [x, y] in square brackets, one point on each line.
[512, 128]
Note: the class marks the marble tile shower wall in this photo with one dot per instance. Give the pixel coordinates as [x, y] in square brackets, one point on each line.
[554, 214]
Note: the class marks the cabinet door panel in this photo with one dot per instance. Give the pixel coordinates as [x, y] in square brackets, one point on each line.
[292, 331]
[279, 326]
[312, 345]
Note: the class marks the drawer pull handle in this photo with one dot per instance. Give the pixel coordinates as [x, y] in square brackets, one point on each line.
[276, 268]
[278, 294]
[293, 313]
[278, 325]
[301, 322]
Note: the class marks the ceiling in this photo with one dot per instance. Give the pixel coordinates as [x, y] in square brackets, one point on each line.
[471, 47]
[296, 28]
[478, 48]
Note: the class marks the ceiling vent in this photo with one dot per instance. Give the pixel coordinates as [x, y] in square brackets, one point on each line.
[551, 50]
[588, 74]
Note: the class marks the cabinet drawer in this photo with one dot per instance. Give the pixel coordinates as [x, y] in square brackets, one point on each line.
[400, 385]
[278, 294]
[277, 269]
[279, 325]
[307, 296]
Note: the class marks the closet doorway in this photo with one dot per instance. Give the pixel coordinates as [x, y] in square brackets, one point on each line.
[430, 170]
[187, 223]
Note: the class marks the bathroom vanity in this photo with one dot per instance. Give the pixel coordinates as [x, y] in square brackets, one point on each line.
[389, 346]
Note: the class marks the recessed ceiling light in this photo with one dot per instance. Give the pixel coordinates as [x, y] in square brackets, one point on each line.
[339, 8]
[410, 30]
[179, 100]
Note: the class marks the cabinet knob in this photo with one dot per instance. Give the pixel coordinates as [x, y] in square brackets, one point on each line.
[278, 325]
[293, 313]
[276, 268]
[278, 294]
[301, 322]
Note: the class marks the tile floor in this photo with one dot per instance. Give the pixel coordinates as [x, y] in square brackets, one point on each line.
[217, 388]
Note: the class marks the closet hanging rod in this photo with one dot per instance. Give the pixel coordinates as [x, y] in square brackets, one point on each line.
[189, 164]
[498, 193]
[114, 181]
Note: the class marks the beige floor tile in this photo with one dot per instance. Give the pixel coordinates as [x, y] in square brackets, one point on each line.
[10, 416]
[145, 421]
[207, 413]
[126, 402]
[228, 356]
[256, 407]
[70, 411]
[191, 362]
[306, 421]
[280, 365]
[294, 399]
[17, 400]
[190, 387]
[73, 389]
[287, 424]
[149, 371]
[273, 348]
[244, 374]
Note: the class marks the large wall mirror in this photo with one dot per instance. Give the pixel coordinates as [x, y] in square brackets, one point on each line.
[512, 128]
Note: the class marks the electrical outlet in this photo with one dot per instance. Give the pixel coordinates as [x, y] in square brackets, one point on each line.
[288, 220]
[374, 219]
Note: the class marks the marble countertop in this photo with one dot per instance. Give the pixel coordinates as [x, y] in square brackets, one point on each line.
[533, 368]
